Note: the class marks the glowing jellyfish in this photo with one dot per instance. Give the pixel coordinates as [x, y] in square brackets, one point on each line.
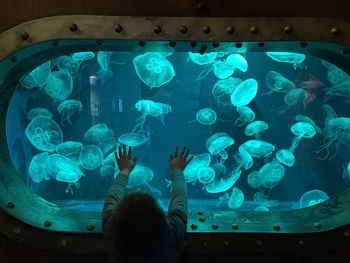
[132, 139]
[222, 69]
[337, 132]
[70, 149]
[303, 118]
[37, 112]
[67, 108]
[217, 143]
[328, 65]
[206, 116]
[312, 197]
[153, 69]
[67, 65]
[245, 115]
[105, 72]
[285, 157]
[255, 179]
[142, 175]
[236, 199]
[346, 173]
[107, 171]
[38, 77]
[44, 134]
[272, 172]
[206, 175]
[107, 144]
[59, 85]
[202, 59]
[110, 159]
[82, 56]
[91, 157]
[277, 83]
[336, 76]
[222, 185]
[341, 89]
[244, 93]
[255, 128]
[243, 158]
[192, 169]
[261, 199]
[261, 208]
[223, 89]
[222, 198]
[286, 57]
[97, 132]
[301, 130]
[237, 61]
[292, 98]
[38, 169]
[220, 169]
[258, 149]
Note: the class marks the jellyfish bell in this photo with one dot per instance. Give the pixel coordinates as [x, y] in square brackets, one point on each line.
[220, 169]
[67, 65]
[206, 116]
[261, 199]
[95, 133]
[244, 93]
[202, 59]
[223, 89]
[82, 56]
[222, 185]
[38, 77]
[91, 157]
[107, 144]
[292, 98]
[37, 112]
[255, 128]
[107, 171]
[192, 169]
[312, 197]
[67, 108]
[222, 198]
[255, 179]
[206, 175]
[59, 86]
[245, 115]
[258, 148]
[222, 69]
[272, 172]
[336, 76]
[218, 142]
[303, 118]
[278, 83]
[261, 208]
[237, 61]
[243, 159]
[236, 199]
[285, 157]
[286, 57]
[103, 59]
[44, 134]
[341, 89]
[132, 139]
[301, 130]
[70, 149]
[38, 168]
[142, 175]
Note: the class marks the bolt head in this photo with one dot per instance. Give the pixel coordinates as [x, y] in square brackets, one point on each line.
[157, 30]
[47, 223]
[334, 31]
[90, 227]
[206, 29]
[254, 30]
[24, 36]
[277, 227]
[235, 226]
[288, 29]
[215, 226]
[194, 226]
[317, 225]
[183, 30]
[118, 28]
[10, 204]
[230, 30]
[73, 27]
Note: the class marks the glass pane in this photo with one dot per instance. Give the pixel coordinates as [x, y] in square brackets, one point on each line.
[270, 131]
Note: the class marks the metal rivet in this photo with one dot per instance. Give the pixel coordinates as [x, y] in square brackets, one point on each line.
[288, 29]
[345, 51]
[90, 227]
[47, 223]
[10, 204]
[99, 42]
[65, 243]
[235, 226]
[317, 225]
[347, 234]
[194, 44]
[303, 44]
[157, 30]
[277, 227]
[201, 219]
[206, 29]
[13, 59]
[215, 226]
[55, 43]
[201, 51]
[259, 243]
[172, 44]
[24, 36]
[118, 28]
[334, 31]
[204, 47]
[260, 44]
[17, 231]
[204, 243]
[142, 43]
[254, 29]
[226, 243]
[73, 27]
[183, 30]
[194, 226]
[301, 243]
[230, 30]
[216, 44]
[238, 45]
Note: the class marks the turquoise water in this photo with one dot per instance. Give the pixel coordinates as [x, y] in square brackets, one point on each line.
[266, 129]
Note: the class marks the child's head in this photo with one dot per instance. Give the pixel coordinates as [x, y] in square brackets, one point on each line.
[139, 227]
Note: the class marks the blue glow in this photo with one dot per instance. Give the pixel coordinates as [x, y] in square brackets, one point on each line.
[312, 197]
[303, 118]
[301, 130]
[153, 69]
[285, 157]
[97, 132]
[218, 142]
[286, 57]
[245, 115]
[105, 72]
[206, 116]
[341, 89]
[132, 139]
[202, 59]
[238, 61]
[70, 149]
[255, 179]
[223, 89]
[107, 171]
[38, 169]
[255, 128]
[67, 65]
[220, 169]
[278, 83]
[222, 69]
[192, 169]
[261, 208]
[261, 199]
[258, 149]
[244, 93]
[37, 112]
[82, 56]
[272, 172]
[292, 98]
[243, 158]
[44, 134]
[59, 86]
[67, 108]
[142, 175]
[107, 144]
[38, 77]
[206, 175]
[91, 157]
[236, 199]
[223, 185]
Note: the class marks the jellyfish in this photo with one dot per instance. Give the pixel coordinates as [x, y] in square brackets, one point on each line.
[346, 173]
[255, 179]
[303, 118]
[44, 134]
[97, 132]
[91, 157]
[236, 199]
[107, 171]
[70, 177]
[107, 144]
[38, 169]
[244, 93]
[286, 57]
[67, 65]
[202, 59]
[105, 72]
[292, 98]
[337, 132]
[222, 198]
[243, 158]
[142, 175]
[110, 159]
[222, 185]
[132, 139]
[217, 143]
[192, 169]
[245, 115]
[301, 130]
[261, 199]
[261, 208]
[37, 112]
[67, 108]
[272, 173]
[223, 89]
[341, 89]
[59, 86]
[153, 69]
[258, 149]
[255, 128]
[70, 149]
[206, 175]
[206, 116]
[328, 65]
[220, 169]
[222, 69]
[82, 56]
[312, 198]
[285, 157]
[237, 61]
[38, 77]
[278, 83]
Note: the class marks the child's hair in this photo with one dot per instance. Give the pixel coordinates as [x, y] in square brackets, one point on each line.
[139, 227]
